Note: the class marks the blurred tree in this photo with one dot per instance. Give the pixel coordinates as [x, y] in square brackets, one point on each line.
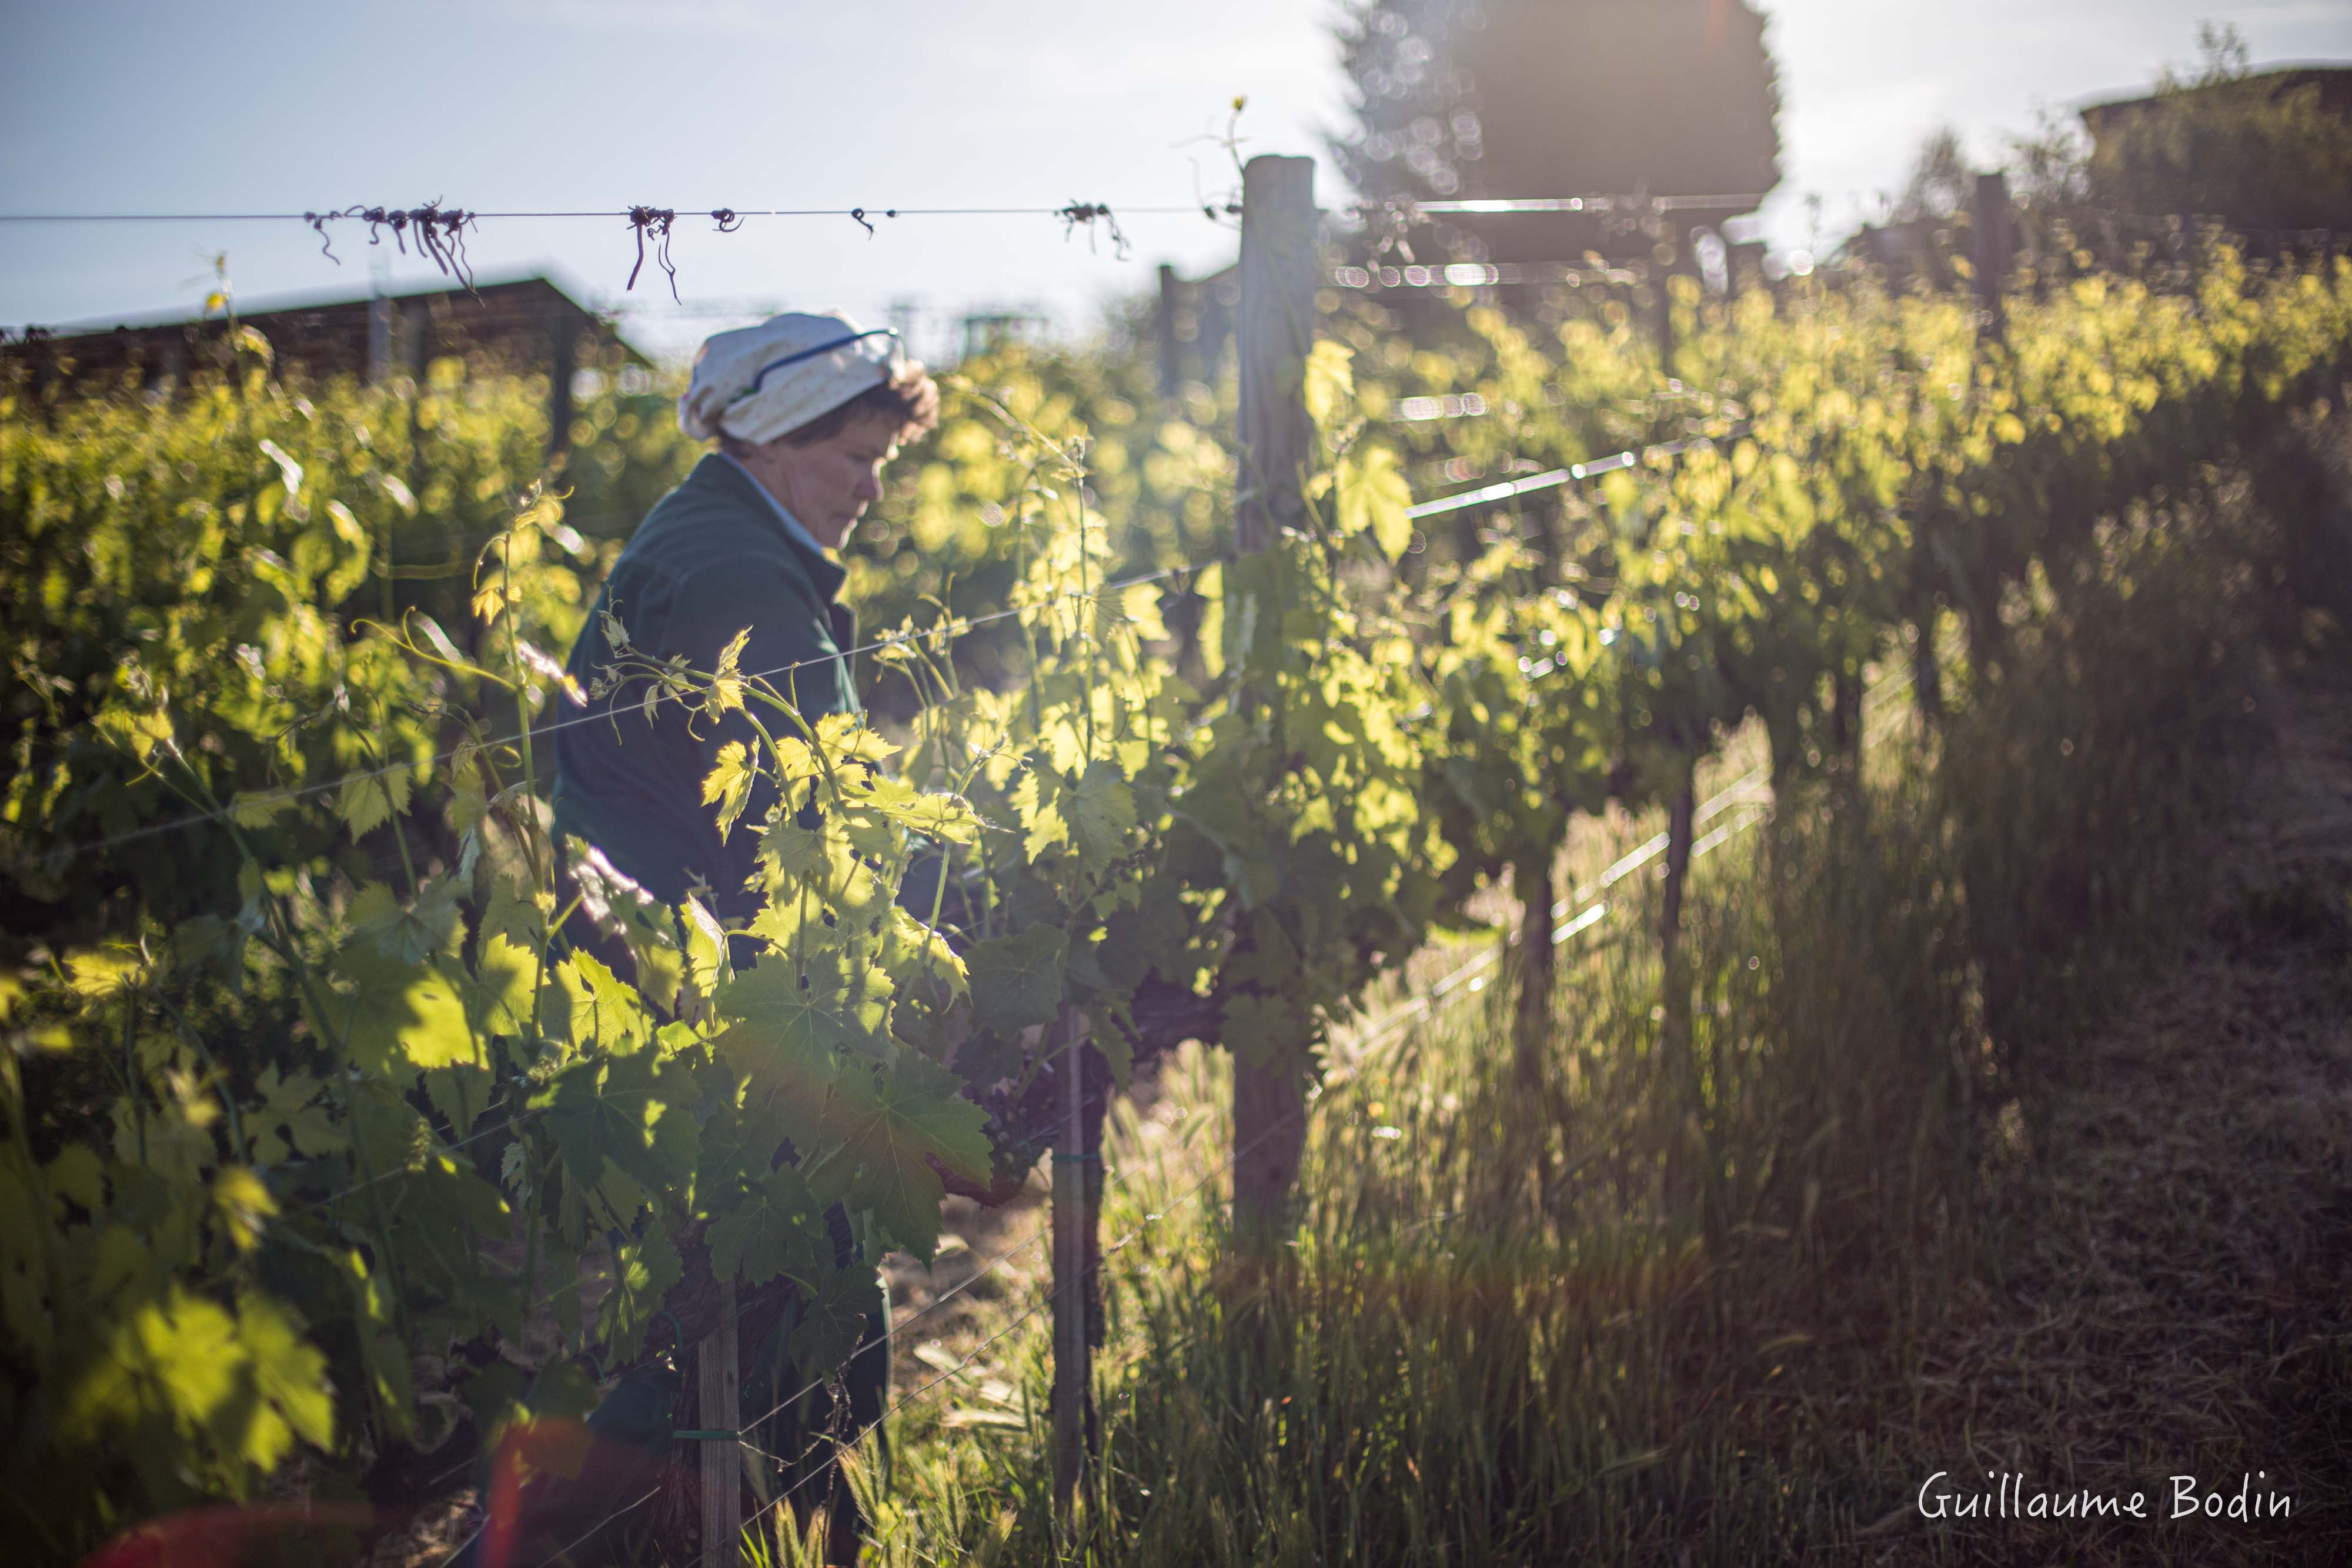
[2259, 150]
[2047, 171]
[1913, 241]
[1556, 98]
[1941, 181]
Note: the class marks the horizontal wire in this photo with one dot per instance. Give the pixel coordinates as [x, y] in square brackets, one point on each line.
[1477, 206]
[1495, 492]
[1729, 797]
[1474, 275]
[989, 1268]
[476, 1136]
[1146, 1223]
[589, 1534]
[1574, 473]
[1044, 1300]
[442, 215]
[995, 1263]
[957, 627]
[1441, 994]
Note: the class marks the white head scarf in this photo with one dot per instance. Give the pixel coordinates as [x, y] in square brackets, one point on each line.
[757, 382]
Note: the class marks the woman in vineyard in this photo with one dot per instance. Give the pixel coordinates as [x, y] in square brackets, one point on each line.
[806, 410]
[732, 569]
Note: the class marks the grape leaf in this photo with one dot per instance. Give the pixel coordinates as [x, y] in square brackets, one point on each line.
[706, 957]
[252, 809]
[1017, 981]
[841, 1005]
[288, 1103]
[774, 1231]
[887, 1119]
[1102, 813]
[1329, 379]
[1037, 800]
[846, 738]
[409, 936]
[619, 1111]
[829, 1322]
[368, 801]
[729, 784]
[644, 1268]
[396, 1015]
[944, 817]
[1373, 494]
[787, 1082]
[1262, 1030]
[296, 1397]
[500, 999]
[179, 1352]
[601, 1010]
[727, 689]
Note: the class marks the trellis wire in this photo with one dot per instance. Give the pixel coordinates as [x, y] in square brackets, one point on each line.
[1439, 995]
[956, 627]
[1575, 472]
[1076, 211]
[975, 1354]
[1505, 490]
[726, 218]
[1731, 797]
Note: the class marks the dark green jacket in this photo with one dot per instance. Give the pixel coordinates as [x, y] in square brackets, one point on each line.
[713, 558]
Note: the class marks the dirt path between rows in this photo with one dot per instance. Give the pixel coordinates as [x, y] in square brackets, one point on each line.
[2174, 1300]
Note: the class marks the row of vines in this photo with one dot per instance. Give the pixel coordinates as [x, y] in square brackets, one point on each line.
[323, 1144]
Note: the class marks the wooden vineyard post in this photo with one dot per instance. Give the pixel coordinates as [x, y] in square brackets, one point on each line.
[1664, 271]
[416, 334]
[1678, 1076]
[1272, 339]
[1172, 375]
[1926, 673]
[1690, 1173]
[1994, 244]
[563, 363]
[1846, 725]
[1531, 1025]
[1077, 1258]
[719, 1384]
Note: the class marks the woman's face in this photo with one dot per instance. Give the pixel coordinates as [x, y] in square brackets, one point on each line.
[825, 485]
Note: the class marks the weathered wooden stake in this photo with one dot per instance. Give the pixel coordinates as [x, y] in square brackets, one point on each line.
[1995, 246]
[563, 362]
[1845, 723]
[719, 1386]
[1664, 273]
[416, 345]
[1076, 1154]
[1927, 667]
[1531, 1027]
[1171, 374]
[1273, 339]
[1275, 333]
[1677, 1059]
[379, 348]
[1070, 1381]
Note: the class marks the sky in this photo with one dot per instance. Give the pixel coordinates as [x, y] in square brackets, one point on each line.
[546, 105]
